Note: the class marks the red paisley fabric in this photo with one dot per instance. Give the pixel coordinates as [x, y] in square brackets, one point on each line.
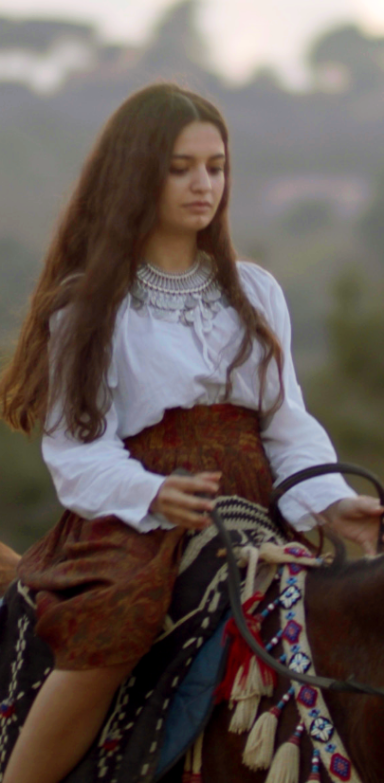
[102, 589]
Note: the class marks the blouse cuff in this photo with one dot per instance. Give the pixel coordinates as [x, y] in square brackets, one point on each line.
[154, 521]
[142, 492]
[299, 505]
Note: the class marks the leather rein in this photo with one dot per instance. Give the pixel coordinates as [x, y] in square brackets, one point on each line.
[234, 587]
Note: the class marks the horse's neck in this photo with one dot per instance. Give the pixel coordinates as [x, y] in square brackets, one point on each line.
[345, 615]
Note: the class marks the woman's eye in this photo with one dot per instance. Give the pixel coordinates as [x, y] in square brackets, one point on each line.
[213, 170]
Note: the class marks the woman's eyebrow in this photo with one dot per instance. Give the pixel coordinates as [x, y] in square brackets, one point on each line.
[192, 157]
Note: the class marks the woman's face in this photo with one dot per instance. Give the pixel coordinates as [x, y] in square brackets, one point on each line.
[195, 182]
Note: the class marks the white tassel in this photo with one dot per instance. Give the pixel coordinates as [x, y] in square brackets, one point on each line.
[246, 695]
[188, 761]
[194, 762]
[251, 685]
[244, 714]
[197, 755]
[258, 750]
[286, 764]
[252, 556]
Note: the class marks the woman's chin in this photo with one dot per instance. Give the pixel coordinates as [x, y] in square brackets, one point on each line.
[191, 226]
[198, 222]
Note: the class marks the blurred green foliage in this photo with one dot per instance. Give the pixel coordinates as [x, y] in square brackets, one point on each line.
[371, 224]
[347, 394]
[359, 53]
[18, 266]
[337, 314]
[308, 216]
[28, 505]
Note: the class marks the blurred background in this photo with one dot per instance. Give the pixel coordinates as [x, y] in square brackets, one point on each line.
[302, 88]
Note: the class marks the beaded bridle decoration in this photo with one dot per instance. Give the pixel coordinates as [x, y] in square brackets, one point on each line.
[313, 711]
[251, 685]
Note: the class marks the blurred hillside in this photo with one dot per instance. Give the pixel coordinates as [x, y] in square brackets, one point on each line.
[308, 193]
[303, 163]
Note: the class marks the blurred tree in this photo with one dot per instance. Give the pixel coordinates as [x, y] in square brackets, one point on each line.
[348, 394]
[18, 265]
[307, 216]
[350, 48]
[28, 505]
[265, 79]
[356, 330]
[40, 34]
[371, 225]
[178, 50]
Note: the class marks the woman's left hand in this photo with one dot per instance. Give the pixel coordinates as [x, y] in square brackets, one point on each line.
[356, 519]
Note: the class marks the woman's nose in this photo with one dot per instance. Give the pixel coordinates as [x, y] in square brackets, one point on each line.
[201, 180]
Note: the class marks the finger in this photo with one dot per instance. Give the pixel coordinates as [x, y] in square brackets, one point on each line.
[192, 485]
[203, 474]
[209, 474]
[368, 538]
[181, 500]
[188, 519]
[373, 503]
[199, 473]
[370, 504]
[198, 478]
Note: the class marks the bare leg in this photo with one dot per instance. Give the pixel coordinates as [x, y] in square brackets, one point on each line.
[62, 724]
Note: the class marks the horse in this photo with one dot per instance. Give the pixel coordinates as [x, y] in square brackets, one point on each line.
[345, 627]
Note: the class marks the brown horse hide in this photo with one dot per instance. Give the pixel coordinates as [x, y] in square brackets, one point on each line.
[345, 605]
[345, 626]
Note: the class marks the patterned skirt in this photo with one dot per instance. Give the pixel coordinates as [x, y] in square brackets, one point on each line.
[101, 588]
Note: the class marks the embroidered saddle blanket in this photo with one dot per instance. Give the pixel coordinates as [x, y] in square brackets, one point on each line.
[138, 741]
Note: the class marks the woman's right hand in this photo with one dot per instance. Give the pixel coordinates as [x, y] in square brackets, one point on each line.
[8, 564]
[177, 499]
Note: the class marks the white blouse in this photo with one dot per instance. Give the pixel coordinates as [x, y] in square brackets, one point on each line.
[159, 364]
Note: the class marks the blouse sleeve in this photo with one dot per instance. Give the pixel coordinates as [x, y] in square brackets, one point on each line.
[293, 439]
[101, 478]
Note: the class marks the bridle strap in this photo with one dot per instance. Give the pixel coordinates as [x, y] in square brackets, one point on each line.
[322, 470]
[234, 585]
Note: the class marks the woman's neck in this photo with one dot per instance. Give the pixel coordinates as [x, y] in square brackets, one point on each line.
[171, 253]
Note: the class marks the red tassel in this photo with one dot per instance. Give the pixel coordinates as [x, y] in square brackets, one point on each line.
[240, 654]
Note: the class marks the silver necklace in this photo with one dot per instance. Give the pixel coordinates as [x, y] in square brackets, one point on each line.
[178, 297]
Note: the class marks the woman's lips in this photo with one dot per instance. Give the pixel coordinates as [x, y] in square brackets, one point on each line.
[198, 206]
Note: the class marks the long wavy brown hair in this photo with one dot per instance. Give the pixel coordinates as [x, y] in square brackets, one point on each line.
[92, 262]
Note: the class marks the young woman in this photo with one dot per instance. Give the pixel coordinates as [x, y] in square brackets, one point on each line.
[164, 352]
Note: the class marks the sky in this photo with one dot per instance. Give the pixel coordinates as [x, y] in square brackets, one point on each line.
[241, 34]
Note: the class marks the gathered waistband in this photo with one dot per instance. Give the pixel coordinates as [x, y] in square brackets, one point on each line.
[221, 437]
